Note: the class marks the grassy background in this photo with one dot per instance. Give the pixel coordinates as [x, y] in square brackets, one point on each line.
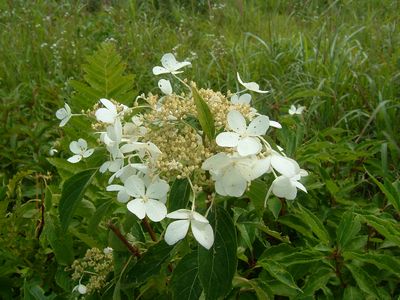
[340, 59]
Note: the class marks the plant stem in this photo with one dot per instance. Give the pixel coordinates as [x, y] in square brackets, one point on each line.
[134, 250]
[149, 229]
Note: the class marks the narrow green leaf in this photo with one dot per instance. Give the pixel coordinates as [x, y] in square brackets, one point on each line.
[72, 193]
[185, 283]
[217, 266]
[382, 261]
[279, 272]
[348, 228]
[315, 224]
[204, 114]
[179, 194]
[392, 197]
[148, 265]
[388, 228]
[364, 281]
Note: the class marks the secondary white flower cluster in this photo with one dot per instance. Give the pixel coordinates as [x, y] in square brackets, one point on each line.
[150, 149]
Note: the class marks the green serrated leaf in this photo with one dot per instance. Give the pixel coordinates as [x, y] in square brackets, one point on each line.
[317, 280]
[72, 193]
[262, 290]
[352, 293]
[60, 242]
[148, 265]
[217, 266]
[179, 194]
[204, 114]
[185, 283]
[364, 281]
[347, 230]
[279, 272]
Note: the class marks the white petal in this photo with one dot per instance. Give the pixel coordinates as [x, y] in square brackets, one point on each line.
[109, 105]
[87, 153]
[258, 126]
[292, 109]
[216, 161]
[203, 233]
[236, 122]
[116, 165]
[65, 121]
[284, 165]
[260, 167]
[169, 61]
[105, 115]
[135, 186]
[244, 99]
[157, 190]
[137, 207]
[74, 147]
[115, 188]
[234, 184]
[176, 231]
[160, 70]
[122, 196]
[180, 214]
[82, 144]
[74, 159]
[300, 110]
[165, 86]
[227, 139]
[235, 99]
[283, 188]
[61, 113]
[199, 218]
[248, 146]
[275, 124]
[155, 210]
[300, 186]
[239, 79]
[104, 166]
[219, 187]
[180, 65]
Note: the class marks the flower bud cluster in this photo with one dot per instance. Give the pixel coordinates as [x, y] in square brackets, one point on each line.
[93, 269]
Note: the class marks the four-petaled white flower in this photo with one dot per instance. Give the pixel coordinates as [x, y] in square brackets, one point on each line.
[286, 187]
[201, 228]
[146, 200]
[170, 65]
[233, 173]
[79, 148]
[108, 114]
[165, 86]
[242, 99]
[244, 137]
[64, 114]
[296, 111]
[251, 86]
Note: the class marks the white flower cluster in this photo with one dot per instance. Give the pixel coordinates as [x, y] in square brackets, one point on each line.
[237, 156]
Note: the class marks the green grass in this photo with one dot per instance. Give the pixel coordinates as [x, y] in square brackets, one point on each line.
[340, 59]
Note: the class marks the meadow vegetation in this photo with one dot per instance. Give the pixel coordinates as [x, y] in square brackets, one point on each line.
[339, 59]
